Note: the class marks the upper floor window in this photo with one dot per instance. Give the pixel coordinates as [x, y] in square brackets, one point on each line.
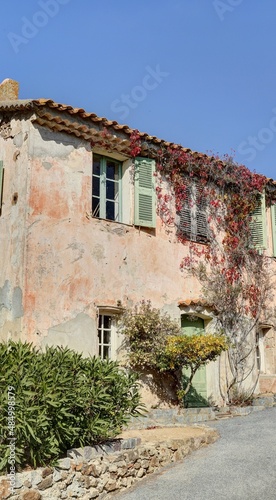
[114, 197]
[106, 188]
[192, 221]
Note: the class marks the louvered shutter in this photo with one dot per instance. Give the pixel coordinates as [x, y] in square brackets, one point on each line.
[144, 185]
[185, 221]
[192, 222]
[258, 225]
[273, 223]
[1, 182]
[201, 216]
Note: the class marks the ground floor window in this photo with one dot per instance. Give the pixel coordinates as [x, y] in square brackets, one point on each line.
[261, 352]
[109, 339]
[105, 336]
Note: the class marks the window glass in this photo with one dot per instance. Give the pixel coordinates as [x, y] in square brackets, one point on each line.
[110, 189]
[105, 332]
[96, 165]
[107, 321]
[112, 170]
[106, 188]
[96, 186]
[96, 207]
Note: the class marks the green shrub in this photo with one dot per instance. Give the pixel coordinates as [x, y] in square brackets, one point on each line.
[62, 400]
[146, 330]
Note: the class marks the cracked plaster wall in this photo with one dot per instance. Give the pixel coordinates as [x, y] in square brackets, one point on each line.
[74, 263]
[14, 153]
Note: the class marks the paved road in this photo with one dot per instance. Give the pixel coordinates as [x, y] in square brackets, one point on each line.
[241, 465]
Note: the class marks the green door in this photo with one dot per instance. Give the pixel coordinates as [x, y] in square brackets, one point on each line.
[197, 395]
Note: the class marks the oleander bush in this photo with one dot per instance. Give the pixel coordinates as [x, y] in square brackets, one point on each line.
[62, 400]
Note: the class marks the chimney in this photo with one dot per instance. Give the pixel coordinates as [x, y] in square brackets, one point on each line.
[9, 90]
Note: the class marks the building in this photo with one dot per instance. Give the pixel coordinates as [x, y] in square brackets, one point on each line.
[81, 238]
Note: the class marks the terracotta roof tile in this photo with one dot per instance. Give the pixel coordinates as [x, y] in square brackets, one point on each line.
[195, 302]
[43, 107]
[37, 104]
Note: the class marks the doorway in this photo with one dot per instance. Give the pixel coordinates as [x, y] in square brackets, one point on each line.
[197, 395]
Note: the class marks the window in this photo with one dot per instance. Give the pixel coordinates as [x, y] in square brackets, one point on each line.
[192, 218]
[106, 188]
[104, 335]
[260, 349]
[145, 210]
[258, 224]
[107, 336]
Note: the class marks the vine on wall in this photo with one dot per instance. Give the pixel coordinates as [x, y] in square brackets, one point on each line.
[235, 276]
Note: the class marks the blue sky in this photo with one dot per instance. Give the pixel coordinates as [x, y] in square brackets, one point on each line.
[200, 73]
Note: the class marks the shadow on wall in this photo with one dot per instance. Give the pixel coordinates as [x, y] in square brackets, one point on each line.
[164, 391]
[161, 387]
[193, 399]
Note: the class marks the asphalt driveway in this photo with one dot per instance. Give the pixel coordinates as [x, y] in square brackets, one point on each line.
[240, 465]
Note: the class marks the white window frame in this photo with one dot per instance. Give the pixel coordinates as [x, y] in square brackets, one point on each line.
[101, 212]
[116, 337]
[260, 353]
[107, 349]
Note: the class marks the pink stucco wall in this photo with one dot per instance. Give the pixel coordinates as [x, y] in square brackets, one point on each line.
[58, 263]
[76, 263]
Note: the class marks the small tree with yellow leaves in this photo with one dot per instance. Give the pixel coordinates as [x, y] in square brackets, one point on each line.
[192, 352]
[154, 342]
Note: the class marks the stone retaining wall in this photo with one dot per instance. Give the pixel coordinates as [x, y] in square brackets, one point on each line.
[97, 472]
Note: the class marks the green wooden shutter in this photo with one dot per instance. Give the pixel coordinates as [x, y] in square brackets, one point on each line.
[258, 225]
[197, 395]
[191, 327]
[1, 182]
[144, 185]
[273, 223]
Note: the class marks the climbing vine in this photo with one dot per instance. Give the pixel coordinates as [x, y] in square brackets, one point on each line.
[235, 276]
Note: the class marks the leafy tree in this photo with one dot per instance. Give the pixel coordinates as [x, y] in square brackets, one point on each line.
[192, 352]
[154, 342]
